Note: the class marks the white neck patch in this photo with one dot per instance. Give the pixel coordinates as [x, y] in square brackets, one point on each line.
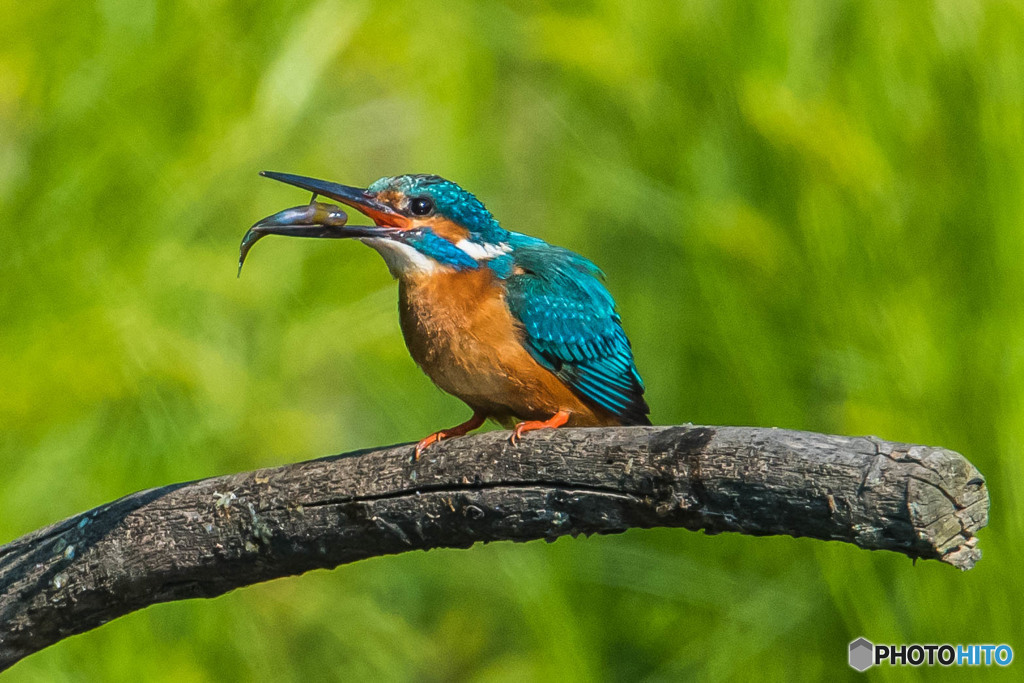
[483, 252]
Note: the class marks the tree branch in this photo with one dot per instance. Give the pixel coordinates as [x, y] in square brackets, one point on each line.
[204, 538]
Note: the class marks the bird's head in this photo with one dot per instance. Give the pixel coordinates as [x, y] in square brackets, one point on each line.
[422, 223]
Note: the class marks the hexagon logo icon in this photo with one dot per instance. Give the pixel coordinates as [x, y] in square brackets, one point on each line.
[862, 654]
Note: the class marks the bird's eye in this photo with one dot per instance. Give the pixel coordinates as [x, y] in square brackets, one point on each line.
[421, 206]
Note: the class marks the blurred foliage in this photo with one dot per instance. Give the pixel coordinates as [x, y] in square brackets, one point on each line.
[809, 212]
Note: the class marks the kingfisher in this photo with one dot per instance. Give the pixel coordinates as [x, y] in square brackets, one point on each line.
[522, 331]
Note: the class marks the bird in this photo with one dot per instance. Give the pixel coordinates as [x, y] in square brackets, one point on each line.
[522, 331]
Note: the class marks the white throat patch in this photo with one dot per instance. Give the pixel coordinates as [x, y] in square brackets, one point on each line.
[401, 258]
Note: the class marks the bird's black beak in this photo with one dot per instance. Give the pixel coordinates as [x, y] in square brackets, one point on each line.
[357, 198]
[321, 220]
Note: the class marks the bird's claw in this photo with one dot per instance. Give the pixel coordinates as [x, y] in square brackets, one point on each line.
[517, 433]
[426, 443]
[458, 430]
[554, 422]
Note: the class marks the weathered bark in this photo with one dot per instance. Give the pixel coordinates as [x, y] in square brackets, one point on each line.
[204, 538]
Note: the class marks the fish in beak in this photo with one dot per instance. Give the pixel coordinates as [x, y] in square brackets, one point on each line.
[318, 219]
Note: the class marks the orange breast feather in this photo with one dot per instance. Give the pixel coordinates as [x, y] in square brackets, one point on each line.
[461, 333]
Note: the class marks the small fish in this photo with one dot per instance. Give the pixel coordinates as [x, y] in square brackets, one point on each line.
[316, 219]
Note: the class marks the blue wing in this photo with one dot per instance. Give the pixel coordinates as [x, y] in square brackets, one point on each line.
[572, 327]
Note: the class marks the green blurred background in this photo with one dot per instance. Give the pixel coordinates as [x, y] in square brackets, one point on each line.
[809, 212]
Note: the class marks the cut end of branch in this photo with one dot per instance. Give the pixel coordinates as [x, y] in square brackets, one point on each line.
[947, 501]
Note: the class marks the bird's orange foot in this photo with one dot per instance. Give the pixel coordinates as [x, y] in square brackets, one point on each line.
[458, 430]
[554, 422]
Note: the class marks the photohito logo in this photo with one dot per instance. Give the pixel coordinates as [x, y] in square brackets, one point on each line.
[864, 654]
